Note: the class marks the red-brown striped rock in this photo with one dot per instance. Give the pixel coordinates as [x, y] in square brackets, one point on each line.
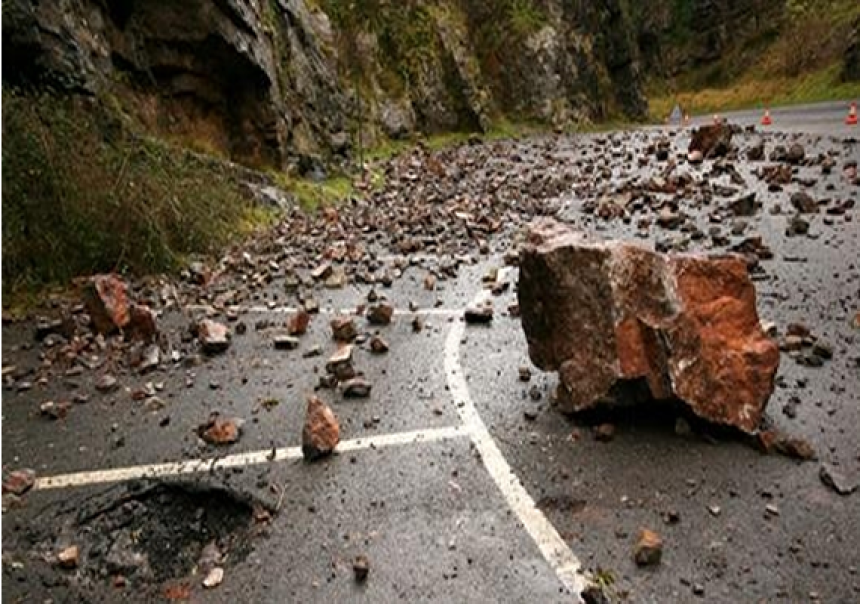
[609, 314]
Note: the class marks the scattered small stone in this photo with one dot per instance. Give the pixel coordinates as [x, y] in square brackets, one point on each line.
[417, 324]
[214, 337]
[285, 342]
[150, 358]
[649, 548]
[795, 154]
[219, 431]
[604, 432]
[356, 388]
[525, 373]
[343, 329]
[19, 482]
[479, 314]
[698, 589]
[771, 510]
[430, 282]
[214, 578]
[313, 351]
[69, 557]
[378, 345]
[53, 410]
[340, 363]
[835, 480]
[322, 271]
[321, 431]
[380, 314]
[297, 324]
[106, 383]
[106, 301]
[361, 568]
[797, 226]
[804, 203]
[142, 324]
[530, 414]
[593, 594]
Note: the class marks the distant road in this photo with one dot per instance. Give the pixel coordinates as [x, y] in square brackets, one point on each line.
[827, 119]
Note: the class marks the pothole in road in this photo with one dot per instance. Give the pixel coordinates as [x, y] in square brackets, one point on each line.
[155, 534]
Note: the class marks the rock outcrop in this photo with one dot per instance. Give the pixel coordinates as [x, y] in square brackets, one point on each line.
[606, 315]
[278, 82]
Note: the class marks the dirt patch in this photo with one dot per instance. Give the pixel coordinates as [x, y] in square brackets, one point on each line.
[147, 535]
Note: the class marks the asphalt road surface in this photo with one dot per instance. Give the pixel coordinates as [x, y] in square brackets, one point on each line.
[455, 479]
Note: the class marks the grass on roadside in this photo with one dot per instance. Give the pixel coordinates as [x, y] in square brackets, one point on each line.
[822, 85]
[83, 193]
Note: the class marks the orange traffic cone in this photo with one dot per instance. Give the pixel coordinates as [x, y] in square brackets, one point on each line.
[851, 120]
[766, 121]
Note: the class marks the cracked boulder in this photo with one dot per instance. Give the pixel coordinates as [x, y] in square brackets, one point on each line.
[617, 321]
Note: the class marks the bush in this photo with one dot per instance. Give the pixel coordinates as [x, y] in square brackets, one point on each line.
[82, 192]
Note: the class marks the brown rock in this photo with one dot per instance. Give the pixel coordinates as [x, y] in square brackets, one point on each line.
[356, 388]
[141, 324]
[361, 568]
[220, 431]
[713, 140]
[214, 337]
[430, 282]
[378, 345]
[479, 314]
[604, 433]
[343, 329]
[69, 557]
[297, 324]
[649, 548]
[804, 203]
[285, 342]
[607, 313]
[380, 314]
[340, 363]
[106, 301]
[19, 482]
[321, 431]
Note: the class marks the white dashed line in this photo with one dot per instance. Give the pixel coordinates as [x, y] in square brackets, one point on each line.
[553, 548]
[194, 466]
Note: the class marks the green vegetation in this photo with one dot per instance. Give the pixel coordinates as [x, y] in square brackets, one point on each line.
[796, 59]
[83, 192]
[312, 195]
[822, 85]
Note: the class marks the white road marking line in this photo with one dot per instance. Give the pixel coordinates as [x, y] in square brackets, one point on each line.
[192, 466]
[553, 548]
[445, 312]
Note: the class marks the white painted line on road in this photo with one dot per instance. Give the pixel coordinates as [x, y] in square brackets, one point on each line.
[553, 548]
[194, 466]
[445, 312]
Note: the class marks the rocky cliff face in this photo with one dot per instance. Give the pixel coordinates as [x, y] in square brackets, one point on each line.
[265, 81]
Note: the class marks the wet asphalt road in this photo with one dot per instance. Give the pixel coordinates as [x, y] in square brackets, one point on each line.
[433, 523]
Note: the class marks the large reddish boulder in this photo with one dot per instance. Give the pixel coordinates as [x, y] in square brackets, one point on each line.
[106, 300]
[610, 314]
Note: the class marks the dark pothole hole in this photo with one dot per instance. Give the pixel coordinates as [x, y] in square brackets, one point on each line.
[156, 533]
